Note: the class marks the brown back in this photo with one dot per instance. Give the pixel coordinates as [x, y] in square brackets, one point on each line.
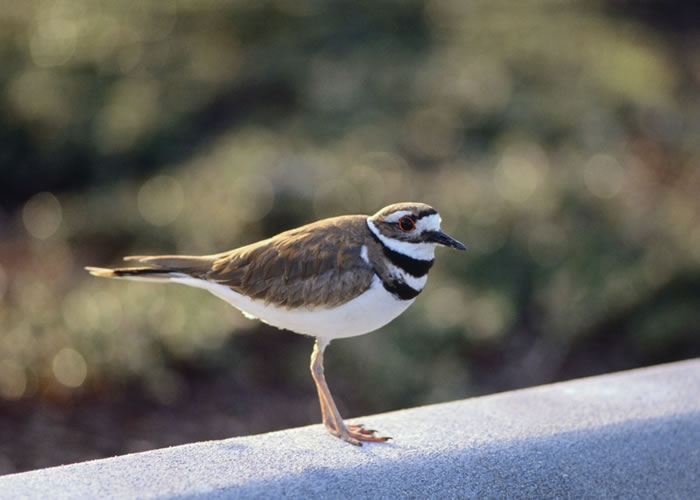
[314, 265]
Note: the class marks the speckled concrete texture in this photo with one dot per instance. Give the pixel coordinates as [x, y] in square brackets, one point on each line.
[632, 434]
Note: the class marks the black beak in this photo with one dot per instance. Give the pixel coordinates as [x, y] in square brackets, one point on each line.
[442, 239]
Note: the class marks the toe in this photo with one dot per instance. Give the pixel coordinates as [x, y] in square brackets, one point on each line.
[349, 438]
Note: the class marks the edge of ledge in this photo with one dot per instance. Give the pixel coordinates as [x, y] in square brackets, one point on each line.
[608, 435]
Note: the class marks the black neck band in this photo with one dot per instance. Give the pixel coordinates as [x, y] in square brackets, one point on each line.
[415, 267]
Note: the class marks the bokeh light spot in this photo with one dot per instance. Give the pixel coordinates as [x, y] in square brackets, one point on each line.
[80, 311]
[160, 200]
[37, 95]
[516, 178]
[166, 318]
[42, 215]
[255, 197]
[369, 183]
[69, 367]
[489, 315]
[110, 311]
[13, 379]
[54, 41]
[34, 296]
[603, 176]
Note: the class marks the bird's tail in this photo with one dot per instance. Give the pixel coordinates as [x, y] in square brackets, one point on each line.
[134, 273]
[157, 267]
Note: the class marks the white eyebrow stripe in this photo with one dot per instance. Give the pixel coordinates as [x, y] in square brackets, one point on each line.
[397, 215]
[425, 223]
[419, 251]
[428, 223]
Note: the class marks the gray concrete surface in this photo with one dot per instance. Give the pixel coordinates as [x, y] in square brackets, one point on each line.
[632, 434]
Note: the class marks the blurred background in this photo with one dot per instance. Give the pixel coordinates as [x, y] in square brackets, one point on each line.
[559, 140]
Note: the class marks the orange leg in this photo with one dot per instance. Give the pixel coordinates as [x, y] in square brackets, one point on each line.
[353, 434]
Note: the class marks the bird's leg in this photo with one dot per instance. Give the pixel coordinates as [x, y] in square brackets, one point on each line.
[325, 414]
[331, 416]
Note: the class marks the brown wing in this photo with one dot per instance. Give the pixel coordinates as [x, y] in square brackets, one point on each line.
[319, 264]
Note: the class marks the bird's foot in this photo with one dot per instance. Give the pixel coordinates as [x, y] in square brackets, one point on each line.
[356, 433]
[361, 433]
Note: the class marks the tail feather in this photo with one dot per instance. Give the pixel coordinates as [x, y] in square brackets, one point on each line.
[189, 264]
[134, 273]
[135, 257]
[158, 267]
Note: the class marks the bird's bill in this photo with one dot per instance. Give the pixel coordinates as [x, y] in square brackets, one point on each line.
[442, 239]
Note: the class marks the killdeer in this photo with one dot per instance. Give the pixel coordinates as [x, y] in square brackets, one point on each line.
[334, 278]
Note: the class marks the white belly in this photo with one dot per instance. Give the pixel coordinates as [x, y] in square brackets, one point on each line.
[373, 309]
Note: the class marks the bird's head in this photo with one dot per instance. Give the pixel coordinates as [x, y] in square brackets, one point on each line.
[412, 222]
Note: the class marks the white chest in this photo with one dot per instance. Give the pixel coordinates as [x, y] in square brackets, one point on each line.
[373, 309]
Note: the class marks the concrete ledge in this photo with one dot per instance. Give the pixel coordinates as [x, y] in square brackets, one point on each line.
[632, 434]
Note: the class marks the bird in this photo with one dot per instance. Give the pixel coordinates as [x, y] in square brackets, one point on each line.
[334, 278]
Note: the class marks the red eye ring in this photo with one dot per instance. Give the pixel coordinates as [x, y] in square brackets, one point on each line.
[406, 224]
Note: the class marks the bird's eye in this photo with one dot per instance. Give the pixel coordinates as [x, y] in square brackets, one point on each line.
[406, 224]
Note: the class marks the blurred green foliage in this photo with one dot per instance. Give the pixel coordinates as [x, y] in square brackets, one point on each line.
[559, 140]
